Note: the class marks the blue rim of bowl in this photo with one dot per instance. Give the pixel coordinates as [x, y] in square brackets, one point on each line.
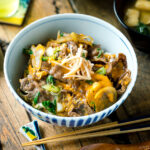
[87, 18]
[122, 22]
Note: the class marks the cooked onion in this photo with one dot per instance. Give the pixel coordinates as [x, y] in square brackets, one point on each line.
[78, 38]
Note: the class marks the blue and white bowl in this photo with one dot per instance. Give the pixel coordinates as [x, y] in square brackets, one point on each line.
[41, 31]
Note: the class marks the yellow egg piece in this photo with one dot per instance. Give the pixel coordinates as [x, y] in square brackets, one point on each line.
[103, 98]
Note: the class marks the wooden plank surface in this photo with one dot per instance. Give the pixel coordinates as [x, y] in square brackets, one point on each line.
[12, 114]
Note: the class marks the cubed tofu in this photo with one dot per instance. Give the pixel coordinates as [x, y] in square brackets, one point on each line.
[143, 5]
[132, 17]
[145, 17]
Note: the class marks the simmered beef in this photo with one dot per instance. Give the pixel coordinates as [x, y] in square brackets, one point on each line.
[80, 109]
[72, 46]
[93, 51]
[57, 73]
[31, 87]
[63, 51]
[123, 82]
[45, 66]
[118, 67]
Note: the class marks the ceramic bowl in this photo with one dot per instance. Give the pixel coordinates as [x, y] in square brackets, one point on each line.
[111, 40]
[141, 41]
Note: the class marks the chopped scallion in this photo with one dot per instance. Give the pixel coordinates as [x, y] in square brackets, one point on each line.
[35, 100]
[101, 70]
[93, 44]
[98, 49]
[56, 50]
[50, 106]
[143, 29]
[51, 88]
[44, 58]
[89, 82]
[93, 103]
[100, 53]
[55, 53]
[83, 55]
[61, 34]
[50, 80]
[27, 51]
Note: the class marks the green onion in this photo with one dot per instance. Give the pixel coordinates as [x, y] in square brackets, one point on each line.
[56, 50]
[83, 55]
[93, 103]
[45, 58]
[27, 51]
[94, 107]
[55, 89]
[55, 53]
[50, 106]
[50, 80]
[54, 57]
[98, 49]
[89, 82]
[26, 72]
[51, 88]
[143, 29]
[100, 53]
[102, 71]
[35, 100]
[61, 34]
[46, 103]
[55, 103]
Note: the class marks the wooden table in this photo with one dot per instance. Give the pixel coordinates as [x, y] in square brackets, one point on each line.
[13, 115]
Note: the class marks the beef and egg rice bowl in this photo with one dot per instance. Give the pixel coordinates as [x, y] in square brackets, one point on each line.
[72, 76]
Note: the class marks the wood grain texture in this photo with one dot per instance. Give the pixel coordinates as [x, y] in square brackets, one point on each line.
[13, 115]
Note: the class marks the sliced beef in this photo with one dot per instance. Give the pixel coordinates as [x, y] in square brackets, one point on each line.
[118, 67]
[74, 84]
[31, 87]
[85, 46]
[27, 85]
[72, 46]
[101, 60]
[57, 72]
[123, 82]
[80, 109]
[45, 66]
[63, 51]
[66, 91]
[92, 51]
[122, 58]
